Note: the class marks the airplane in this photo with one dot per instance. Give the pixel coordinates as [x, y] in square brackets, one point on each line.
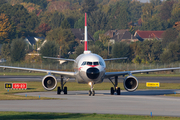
[89, 68]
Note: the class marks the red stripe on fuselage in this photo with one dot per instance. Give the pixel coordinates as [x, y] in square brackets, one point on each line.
[92, 65]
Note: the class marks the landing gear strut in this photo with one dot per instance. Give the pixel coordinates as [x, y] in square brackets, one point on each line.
[115, 88]
[62, 88]
[91, 92]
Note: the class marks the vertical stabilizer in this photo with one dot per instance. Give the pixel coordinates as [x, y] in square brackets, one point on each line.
[85, 35]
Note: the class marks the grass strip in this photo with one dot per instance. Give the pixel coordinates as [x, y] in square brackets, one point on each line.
[78, 116]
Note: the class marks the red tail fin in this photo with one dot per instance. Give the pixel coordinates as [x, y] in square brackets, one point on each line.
[85, 35]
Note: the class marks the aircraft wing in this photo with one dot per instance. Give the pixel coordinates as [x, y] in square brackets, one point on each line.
[72, 60]
[111, 74]
[64, 73]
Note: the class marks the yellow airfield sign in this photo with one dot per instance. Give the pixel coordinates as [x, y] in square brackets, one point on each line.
[152, 84]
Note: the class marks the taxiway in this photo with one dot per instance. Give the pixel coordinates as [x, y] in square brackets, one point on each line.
[140, 102]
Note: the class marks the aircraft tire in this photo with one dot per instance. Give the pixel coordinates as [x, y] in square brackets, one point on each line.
[65, 90]
[93, 93]
[90, 92]
[118, 91]
[58, 90]
[112, 91]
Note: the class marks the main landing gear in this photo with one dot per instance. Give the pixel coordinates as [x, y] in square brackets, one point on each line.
[91, 92]
[115, 88]
[62, 88]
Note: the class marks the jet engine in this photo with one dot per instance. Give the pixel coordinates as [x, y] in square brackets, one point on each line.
[49, 82]
[130, 83]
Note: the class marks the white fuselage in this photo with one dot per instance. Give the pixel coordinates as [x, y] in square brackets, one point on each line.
[89, 67]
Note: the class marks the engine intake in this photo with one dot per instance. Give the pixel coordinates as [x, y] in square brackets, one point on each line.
[49, 82]
[130, 83]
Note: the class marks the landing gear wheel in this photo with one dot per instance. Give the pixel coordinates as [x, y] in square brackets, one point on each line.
[112, 91]
[58, 90]
[90, 92]
[65, 90]
[118, 91]
[93, 93]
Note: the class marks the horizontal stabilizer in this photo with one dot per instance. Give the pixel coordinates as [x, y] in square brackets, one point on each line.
[122, 58]
[72, 60]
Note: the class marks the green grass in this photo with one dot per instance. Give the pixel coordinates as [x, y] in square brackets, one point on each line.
[78, 116]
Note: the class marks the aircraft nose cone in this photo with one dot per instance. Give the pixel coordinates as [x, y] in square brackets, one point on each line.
[92, 73]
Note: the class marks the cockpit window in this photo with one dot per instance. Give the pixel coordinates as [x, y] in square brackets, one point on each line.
[89, 63]
[92, 63]
[95, 63]
[84, 63]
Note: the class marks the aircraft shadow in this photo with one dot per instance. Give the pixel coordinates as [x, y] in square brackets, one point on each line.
[138, 92]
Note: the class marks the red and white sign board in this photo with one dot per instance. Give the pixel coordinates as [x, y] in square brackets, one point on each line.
[19, 86]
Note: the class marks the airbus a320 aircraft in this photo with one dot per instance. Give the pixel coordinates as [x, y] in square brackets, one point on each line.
[89, 68]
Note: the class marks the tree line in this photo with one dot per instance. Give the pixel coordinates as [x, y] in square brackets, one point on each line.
[53, 19]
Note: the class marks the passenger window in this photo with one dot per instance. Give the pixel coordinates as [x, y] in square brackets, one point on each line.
[96, 63]
[89, 63]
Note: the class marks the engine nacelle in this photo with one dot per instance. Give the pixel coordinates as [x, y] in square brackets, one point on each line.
[49, 82]
[130, 83]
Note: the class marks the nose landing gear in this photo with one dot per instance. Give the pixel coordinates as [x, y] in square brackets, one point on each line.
[91, 92]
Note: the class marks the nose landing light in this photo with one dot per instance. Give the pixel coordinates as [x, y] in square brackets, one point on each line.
[92, 73]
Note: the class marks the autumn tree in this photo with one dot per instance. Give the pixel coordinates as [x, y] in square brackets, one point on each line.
[5, 28]
[50, 48]
[168, 36]
[24, 22]
[171, 54]
[147, 10]
[156, 2]
[56, 20]
[59, 6]
[166, 9]
[79, 23]
[65, 24]
[97, 21]
[121, 49]
[135, 10]
[42, 3]
[2, 2]
[175, 14]
[118, 16]
[89, 6]
[64, 38]
[18, 50]
[5, 51]
[96, 34]
[42, 29]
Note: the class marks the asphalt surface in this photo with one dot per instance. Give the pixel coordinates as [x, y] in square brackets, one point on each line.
[129, 103]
